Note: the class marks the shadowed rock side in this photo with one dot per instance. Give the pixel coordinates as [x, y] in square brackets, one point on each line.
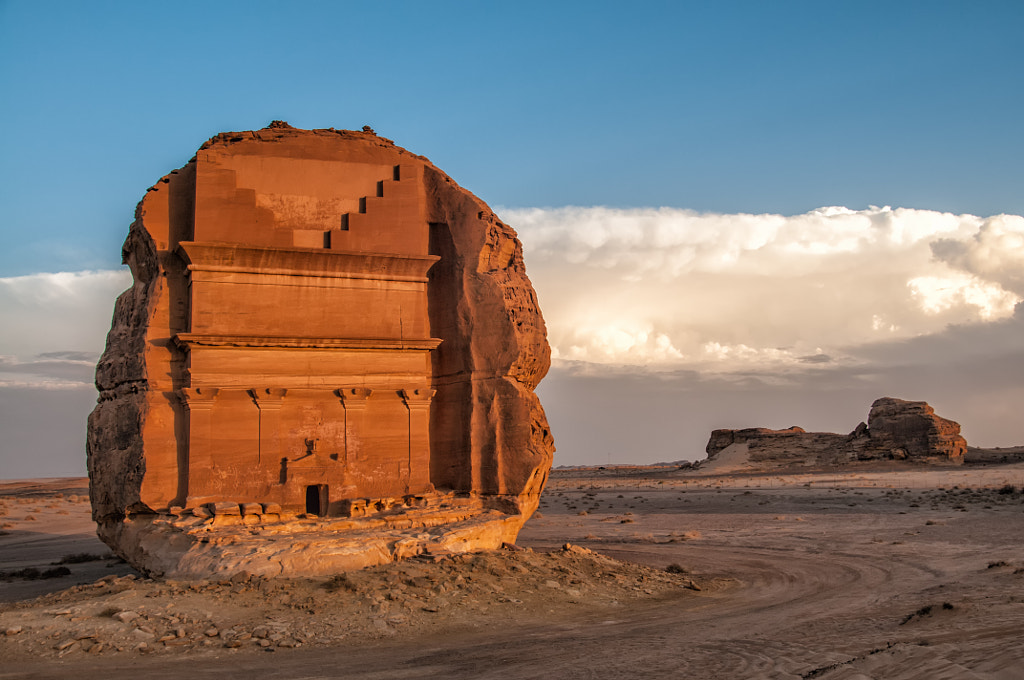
[327, 360]
[896, 430]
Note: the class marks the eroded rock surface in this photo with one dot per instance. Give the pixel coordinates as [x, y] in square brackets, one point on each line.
[327, 340]
[896, 430]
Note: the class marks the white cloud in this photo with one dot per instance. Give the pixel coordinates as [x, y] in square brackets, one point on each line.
[994, 252]
[671, 242]
[714, 292]
[638, 344]
[684, 322]
[55, 325]
[936, 294]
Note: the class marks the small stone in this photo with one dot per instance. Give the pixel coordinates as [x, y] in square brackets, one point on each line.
[241, 577]
[226, 508]
[271, 509]
[140, 634]
[212, 631]
[65, 645]
[126, 616]
[264, 643]
[13, 630]
[202, 511]
[252, 509]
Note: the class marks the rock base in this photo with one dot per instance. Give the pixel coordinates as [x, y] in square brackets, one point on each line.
[194, 547]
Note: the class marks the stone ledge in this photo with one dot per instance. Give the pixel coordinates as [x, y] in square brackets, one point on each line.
[192, 548]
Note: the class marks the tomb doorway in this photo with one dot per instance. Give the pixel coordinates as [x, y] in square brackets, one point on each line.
[317, 499]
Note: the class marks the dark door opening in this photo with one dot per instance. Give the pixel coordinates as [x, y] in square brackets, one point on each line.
[316, 499]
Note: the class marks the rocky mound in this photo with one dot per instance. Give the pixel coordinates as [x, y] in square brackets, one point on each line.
[127, 616]
[896, 430]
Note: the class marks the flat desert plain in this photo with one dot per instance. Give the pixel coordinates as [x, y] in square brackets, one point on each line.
[626, 572]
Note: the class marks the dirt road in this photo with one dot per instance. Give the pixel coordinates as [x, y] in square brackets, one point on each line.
[799, 582]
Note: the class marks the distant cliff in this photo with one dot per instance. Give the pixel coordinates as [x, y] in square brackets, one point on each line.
[896, 430]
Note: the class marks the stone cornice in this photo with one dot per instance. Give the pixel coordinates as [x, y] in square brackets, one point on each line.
[191, 340]
[303, 262]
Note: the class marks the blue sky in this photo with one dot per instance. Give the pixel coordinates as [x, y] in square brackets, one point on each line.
[722, 109]
[730, 107]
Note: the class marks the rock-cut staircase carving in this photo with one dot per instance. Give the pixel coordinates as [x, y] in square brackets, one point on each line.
[399, 200]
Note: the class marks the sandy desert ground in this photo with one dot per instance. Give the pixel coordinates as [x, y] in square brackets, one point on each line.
[715, 573]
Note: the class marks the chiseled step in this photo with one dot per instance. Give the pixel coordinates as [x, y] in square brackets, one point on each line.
[390, 203]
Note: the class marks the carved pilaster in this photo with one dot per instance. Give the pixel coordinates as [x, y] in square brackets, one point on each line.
[418, 403]
[198, 403]
[269, 401]
[353, 399]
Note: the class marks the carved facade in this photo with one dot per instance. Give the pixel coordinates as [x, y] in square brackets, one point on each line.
[321, 324]
[307, 350]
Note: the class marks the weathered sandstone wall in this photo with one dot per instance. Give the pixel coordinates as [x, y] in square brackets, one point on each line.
[320, 321]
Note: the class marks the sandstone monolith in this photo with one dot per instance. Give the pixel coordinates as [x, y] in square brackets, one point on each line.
[896, 430]
[327, 360]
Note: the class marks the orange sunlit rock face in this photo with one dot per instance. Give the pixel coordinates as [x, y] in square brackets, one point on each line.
[324, 324]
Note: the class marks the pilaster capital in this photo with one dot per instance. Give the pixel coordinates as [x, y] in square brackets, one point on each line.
[419, 398]
[353, 397]
[268, 398]
[198, 398]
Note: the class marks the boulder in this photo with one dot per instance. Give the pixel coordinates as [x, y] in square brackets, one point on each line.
[910, 429]
[326, 324]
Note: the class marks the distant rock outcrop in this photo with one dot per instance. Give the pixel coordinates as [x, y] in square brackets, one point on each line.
[896, 430]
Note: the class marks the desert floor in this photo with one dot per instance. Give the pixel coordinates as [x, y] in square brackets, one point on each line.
[871, 573]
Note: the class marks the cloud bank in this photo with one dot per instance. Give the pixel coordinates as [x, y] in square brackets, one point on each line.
[669, 288]
[675, 321]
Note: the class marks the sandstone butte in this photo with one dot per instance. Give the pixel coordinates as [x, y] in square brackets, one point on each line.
[896, 430]
[327, 360]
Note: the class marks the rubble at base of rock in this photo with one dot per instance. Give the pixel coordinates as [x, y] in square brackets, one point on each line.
[130, 616]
